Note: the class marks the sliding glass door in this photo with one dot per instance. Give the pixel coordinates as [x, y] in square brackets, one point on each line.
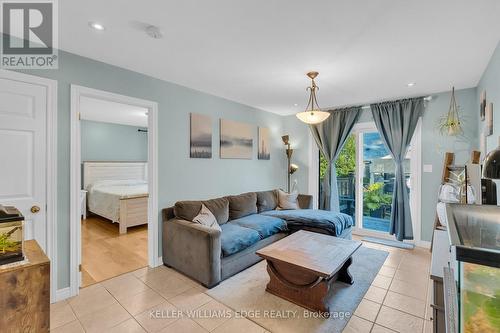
[365, 179]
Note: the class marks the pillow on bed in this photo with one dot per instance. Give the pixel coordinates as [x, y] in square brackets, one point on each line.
[287, 200]
[206, 218]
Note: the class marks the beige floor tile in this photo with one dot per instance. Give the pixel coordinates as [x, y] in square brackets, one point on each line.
[91, 299]
[393, 260]
[375, 294]
[158, 317]
[358, 325]
[128, 326]
[399, 321]
[142, 301]
[380, 329]
[416, 276]
[104, 319]
[239, 325]
[406, 304]
[72, 327]
[427, 326]
[60, 314]
[409, 289]
[382, 281]
[387, 271]
[170, 287]
[367, 310]
[124, 286]
[212, 315]
[190, 299]
[183, 325]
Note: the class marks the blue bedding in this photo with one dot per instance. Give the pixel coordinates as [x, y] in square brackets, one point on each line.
[333, 223]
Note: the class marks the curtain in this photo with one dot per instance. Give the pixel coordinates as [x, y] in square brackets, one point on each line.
[330, 136]
[396, 122]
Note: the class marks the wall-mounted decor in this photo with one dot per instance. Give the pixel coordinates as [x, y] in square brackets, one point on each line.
[236, 140]
[264, 152]
[201, 136]
[488, 127]
[450, 124]
[482, 105]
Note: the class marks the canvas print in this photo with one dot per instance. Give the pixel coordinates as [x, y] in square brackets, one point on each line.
[482, 105]
[264, 149]
[236, 140]
[201, 136]
[488, 129]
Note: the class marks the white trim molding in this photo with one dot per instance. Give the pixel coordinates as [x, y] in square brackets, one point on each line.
[61, 294]
[75, 175]
[51, 167]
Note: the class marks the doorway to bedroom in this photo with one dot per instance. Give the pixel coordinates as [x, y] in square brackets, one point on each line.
[114, 229]
[114, 154]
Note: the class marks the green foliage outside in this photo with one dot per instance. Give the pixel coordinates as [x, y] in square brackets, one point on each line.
[346, 162]
[374, 198]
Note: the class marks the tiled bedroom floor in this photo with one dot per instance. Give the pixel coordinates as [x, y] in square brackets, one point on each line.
[398, 300]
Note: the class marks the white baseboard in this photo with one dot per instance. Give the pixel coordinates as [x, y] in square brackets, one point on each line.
[62, 294]
[160, 261]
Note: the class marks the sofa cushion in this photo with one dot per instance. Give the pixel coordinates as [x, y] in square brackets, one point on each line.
[331, 222]
[267, 200]
[265, 225]
[242, 205]
[235, 238]
[206, 217]
[187, 210]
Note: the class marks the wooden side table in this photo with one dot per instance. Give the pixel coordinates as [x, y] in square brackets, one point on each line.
[25, 293]
[83, 202]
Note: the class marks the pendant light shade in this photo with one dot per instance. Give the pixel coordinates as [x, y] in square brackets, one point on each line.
[313, 114]
[313, 117]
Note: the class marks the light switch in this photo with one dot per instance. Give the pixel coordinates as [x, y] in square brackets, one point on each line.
[428, 168]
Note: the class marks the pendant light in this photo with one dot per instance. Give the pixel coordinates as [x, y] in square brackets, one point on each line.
[313, 114]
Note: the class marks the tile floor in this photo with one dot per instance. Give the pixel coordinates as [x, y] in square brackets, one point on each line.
[397, 301]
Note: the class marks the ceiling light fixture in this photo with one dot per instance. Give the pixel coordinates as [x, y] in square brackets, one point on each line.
[411, 84]
[313, 114]
[96, 26]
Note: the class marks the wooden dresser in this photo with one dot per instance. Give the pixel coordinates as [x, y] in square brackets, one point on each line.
[25, 293]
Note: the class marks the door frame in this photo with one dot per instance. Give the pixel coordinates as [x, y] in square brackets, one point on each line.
[51, 167]
[75, 176]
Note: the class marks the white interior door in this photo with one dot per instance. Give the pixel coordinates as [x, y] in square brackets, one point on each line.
[23, 141]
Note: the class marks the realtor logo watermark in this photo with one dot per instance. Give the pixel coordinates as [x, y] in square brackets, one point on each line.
[29, 34]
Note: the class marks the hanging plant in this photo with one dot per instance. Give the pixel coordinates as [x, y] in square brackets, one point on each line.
[451, 123]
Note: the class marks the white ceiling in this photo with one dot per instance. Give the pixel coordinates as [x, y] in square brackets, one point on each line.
[112, 112]
[257, 52]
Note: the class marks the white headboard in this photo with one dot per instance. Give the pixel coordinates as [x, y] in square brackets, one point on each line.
[96, 171]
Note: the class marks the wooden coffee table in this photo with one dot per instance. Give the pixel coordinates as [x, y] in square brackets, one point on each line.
[304, 265]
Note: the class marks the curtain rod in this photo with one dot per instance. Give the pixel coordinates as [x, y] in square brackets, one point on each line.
[367, 106]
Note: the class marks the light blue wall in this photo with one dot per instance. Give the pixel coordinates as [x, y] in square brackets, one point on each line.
[179, 176]
[434, 145]
[490, 82]
[112, 142]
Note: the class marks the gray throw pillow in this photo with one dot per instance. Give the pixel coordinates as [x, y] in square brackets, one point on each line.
[187, 210]
[287, 201]
[242, 205]
[267, 200]
[206, 218]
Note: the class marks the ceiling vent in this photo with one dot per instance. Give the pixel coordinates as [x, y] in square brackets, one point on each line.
[154, 32]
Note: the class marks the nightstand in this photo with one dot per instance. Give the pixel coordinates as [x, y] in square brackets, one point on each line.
[83, 202]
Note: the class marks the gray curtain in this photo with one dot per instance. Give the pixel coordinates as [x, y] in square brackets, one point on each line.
[396, 122]
[330, 136]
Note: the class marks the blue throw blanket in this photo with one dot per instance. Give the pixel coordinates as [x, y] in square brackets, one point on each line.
[334, 223]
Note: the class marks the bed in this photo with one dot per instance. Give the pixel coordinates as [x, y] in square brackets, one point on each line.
[117, 191]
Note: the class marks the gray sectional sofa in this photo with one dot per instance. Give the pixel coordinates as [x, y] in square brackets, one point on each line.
[249, 221]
